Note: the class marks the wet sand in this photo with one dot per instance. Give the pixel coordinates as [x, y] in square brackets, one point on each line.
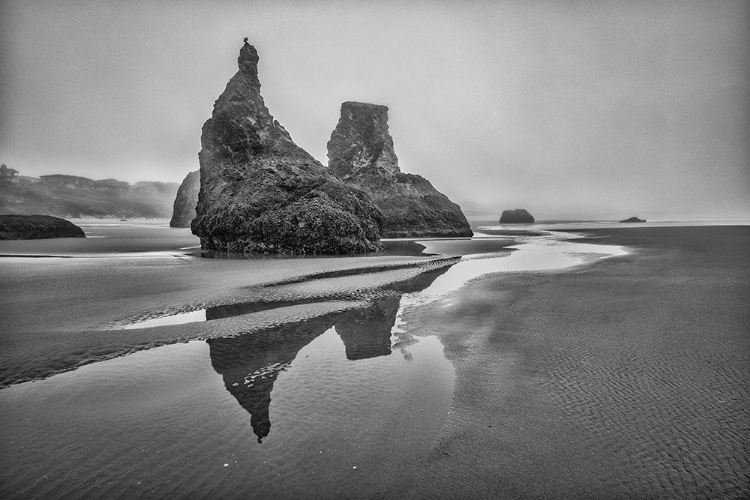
[623, 378]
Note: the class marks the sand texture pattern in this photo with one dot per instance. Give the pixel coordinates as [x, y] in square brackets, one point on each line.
[626, 379]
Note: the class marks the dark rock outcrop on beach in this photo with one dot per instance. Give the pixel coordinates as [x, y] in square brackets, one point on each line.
[261, 193]
[37, 227]
[185, 201]
[517, 216]
[361, 153]
[633, 219]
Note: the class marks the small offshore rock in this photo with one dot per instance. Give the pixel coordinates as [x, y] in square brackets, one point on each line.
[633, 219]
[37, 227]
[517, 216]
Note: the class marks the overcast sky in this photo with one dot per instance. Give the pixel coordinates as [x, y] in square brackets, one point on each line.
[571, 109]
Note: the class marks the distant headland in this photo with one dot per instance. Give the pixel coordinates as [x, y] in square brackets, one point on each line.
[64, 195]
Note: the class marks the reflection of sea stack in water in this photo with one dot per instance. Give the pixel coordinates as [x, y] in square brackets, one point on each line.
[250, 364]
[361, 154]
[183, 212]
[260, 192]
[366, 333]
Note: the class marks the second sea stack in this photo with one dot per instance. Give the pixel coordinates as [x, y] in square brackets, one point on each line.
[185, 201]
[261, 193]
[361, 154]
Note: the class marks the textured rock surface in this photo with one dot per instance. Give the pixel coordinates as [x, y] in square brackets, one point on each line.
[37, 227]
[633, 219]
[185, 201]
[261, 193]
[361, 154]
[517, 216]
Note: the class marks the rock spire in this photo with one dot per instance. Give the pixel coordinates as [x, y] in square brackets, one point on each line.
[261, 193]
[361, 154]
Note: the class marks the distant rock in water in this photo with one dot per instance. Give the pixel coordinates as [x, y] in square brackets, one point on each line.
[517, 216]
[361, 154]
[185, 201]
[37, 227]
[633, 219]
[261, 193]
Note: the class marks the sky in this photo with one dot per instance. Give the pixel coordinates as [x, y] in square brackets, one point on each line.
[571, 109]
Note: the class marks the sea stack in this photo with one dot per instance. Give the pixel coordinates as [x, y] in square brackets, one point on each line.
[261, 193]
[517, 216]
[361, 153]
[185, 201]
[633, 219]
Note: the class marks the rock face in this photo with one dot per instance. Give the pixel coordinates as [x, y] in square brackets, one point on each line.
[37, 227]
[517, 216]
[185, 201]
[261, 193]
[361, 154]
[633, 219]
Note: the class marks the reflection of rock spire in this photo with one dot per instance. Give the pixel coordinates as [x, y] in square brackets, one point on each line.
[250, 363]
[366, 333]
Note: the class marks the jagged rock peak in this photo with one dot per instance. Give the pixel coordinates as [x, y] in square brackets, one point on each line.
[241, 126]
[261, 193]
[248, 63]
[361, 140]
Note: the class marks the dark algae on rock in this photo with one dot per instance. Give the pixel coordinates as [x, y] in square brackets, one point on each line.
[185, 201]
[361, 153]
[37, 227]
[517, 216]
[261, 193]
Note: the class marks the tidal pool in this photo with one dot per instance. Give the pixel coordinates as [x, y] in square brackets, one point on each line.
[306, 410]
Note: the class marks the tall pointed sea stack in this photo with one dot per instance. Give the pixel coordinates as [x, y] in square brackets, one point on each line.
[261, 193]
[361, 154]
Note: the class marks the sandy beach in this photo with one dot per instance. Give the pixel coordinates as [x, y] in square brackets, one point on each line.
[618, 373]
